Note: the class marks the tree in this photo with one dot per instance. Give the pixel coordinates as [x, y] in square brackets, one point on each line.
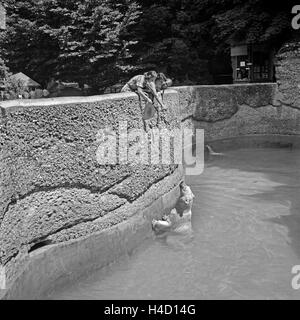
[99, 42]
[10, 87]
[171, 41]
[85, 41]
[180, 35]
[4, 74]
[253, 21]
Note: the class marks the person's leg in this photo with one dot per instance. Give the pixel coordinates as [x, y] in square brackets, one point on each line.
[158, 116]
[161, 112]
[146, 125]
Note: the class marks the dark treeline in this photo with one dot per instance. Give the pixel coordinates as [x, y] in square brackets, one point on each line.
[102, 42]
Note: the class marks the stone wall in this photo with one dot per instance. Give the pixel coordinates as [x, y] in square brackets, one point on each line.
[288, 75]
[230, 111]
[53, 190]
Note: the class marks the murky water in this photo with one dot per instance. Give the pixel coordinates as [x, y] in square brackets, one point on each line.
[246, 221]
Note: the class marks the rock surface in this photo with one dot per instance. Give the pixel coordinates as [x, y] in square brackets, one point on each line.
[288, 75]
[51, 177]
[53, 188]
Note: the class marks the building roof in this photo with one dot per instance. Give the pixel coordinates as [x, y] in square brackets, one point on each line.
[27, 81]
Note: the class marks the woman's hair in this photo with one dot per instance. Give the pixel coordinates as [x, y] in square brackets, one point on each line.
[161, 76]
[165, 82]
[150, 74]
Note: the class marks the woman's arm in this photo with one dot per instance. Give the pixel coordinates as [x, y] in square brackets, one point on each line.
[152, 88]
[143, 94]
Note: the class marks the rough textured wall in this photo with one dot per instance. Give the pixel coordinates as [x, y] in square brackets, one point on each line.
[53, 188]
[234, 110]
[288, 75]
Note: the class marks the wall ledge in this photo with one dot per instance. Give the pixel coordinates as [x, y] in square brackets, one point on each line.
[11, 105]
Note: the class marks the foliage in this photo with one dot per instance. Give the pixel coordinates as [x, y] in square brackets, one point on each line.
[3, 72]
[253, 21]
[180, 35]
[9, 86]
[86, 41]
[99, 42]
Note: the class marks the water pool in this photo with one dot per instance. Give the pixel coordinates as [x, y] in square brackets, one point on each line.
[246, 222]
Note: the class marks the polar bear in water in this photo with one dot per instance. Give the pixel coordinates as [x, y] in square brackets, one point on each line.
[179, 221]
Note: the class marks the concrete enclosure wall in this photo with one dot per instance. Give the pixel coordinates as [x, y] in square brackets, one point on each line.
[233, 111]
[53, 188]
[54, 191]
